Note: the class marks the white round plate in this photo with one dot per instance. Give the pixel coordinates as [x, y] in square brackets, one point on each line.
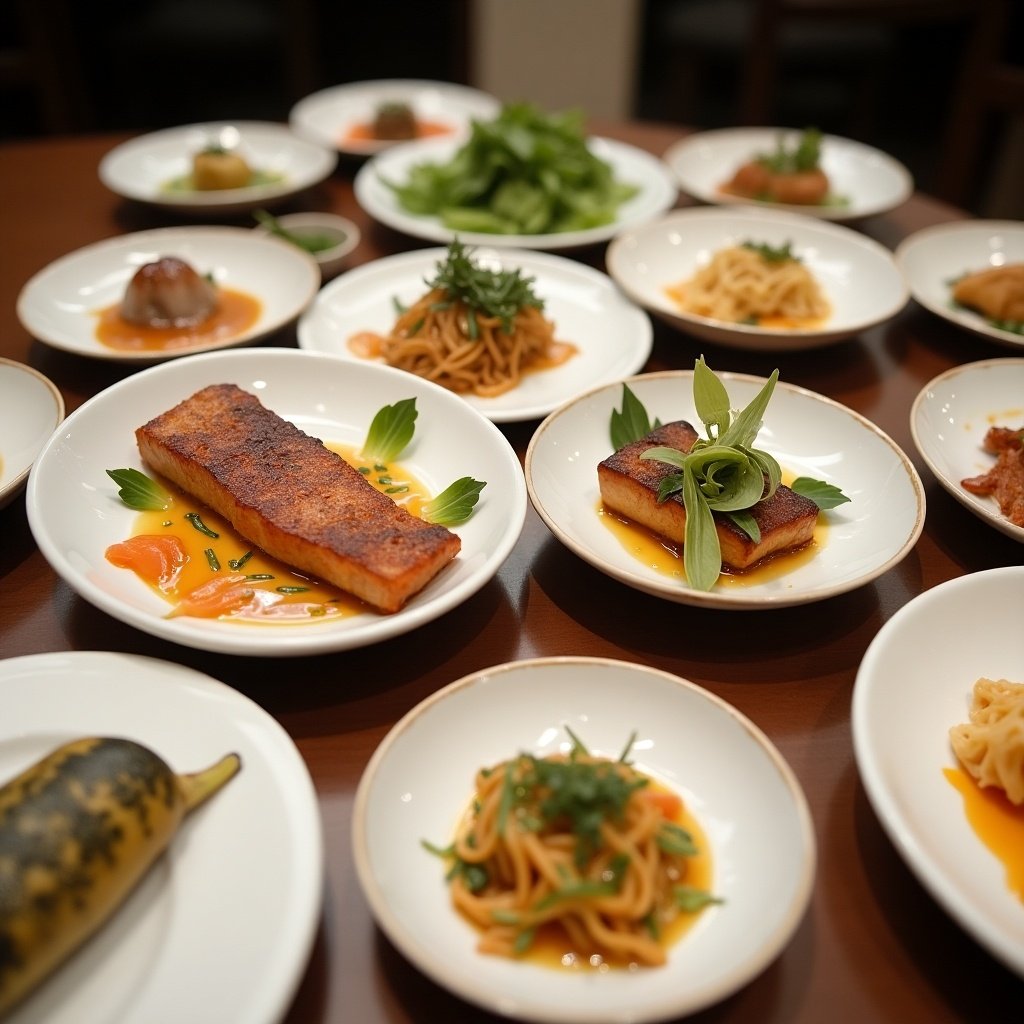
[809, 434]
[933, 258]
[869, 180]
[192, 942]
[59, 304]
[858, 276]
[613, 337]
[75, 513]
[329, 116]
[731, 778]
[31, 409]
[912, 687]
[949, 420]
[657, 193]
[141, 168]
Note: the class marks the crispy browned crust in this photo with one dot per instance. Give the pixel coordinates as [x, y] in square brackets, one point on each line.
[629, 486]
[297, 500]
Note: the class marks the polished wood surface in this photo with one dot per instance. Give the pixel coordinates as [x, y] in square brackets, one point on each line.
[873, 945]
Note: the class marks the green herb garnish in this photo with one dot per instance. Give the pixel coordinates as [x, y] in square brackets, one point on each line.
[391, 431]
[455, 503]
[497, 293]
[824, 495]
[237, 563]
[630, 423]
[137, 491]
[772, 254]
[690, 899]
[212, 560]
[804, 156]
[197, 521]
[311, 241]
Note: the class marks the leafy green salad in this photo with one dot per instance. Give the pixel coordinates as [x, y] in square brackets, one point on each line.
[525, 172]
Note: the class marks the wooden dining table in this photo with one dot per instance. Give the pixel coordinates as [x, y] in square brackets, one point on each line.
[873, 944]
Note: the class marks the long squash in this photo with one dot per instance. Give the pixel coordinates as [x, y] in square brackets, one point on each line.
[78, 830]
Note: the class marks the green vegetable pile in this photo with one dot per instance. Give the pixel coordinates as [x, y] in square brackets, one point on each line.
[525, 173]
[804, 156]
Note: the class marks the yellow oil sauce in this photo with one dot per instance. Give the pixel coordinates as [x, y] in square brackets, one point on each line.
[225, 577]
[997, 822]
[666, 557]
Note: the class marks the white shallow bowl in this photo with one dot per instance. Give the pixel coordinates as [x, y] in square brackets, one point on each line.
[733, 780]
[344, 233]
[858, 276]
[913, 685]
[871, 181]
[329, 116]
[141, 167]
[809, 434]
[950, 418]
[613, 337]
[657, 193]
[31, 408]
[59, 304]
[75, 513]
[191, 943]
[931, 259]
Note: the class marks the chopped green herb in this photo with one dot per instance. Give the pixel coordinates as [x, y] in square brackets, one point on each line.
[292, 590]
[260, 576]
[804, 156]
[137, 491]
[197, 521]
[237, 563]
[772, 254]
[690, 899]
[212, 559]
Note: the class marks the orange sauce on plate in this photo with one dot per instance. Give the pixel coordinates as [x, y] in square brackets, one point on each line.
[236, 312]
[225, 577]
[363, 131]
[997, 822]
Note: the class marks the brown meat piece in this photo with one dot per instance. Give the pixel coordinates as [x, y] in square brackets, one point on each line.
[1005, 480]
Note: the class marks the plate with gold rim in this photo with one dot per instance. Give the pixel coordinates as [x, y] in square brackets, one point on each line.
[738, 788]
[809, 434]
[75, 513]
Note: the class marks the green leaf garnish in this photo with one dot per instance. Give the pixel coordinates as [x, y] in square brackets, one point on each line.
[804, 156]
[772, 254]
[455, 503]
[690, 899]
[391, 431]
[197, 522]
[824, 495]
[676, 840]
[631, 422]
[137, 491]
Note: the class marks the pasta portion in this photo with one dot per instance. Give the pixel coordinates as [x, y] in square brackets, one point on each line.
[991, 746]
[475, 331]
[581, 846]
[754, 284]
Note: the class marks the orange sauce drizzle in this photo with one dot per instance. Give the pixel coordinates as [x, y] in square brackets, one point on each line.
[997, 822]
[171, 555]
[236, 312]
[363, 131]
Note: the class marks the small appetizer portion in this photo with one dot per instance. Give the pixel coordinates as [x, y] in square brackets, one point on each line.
[990, 747]
[1005, 480]
[168, 293]
[996, 293]
[583, 854]
[78, 831]
[792, 176]
[394, 121]
[218, 168]
[724, 498]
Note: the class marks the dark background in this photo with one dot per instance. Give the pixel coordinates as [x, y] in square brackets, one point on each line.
[148, 64]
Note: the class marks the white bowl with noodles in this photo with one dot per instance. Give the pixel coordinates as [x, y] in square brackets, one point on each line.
[733, 781]
[933, 258]
[857, 276]
[864, 181]
[611, 336]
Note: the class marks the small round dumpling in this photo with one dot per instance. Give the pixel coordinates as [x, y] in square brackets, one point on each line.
[168, 293]
[217, 168]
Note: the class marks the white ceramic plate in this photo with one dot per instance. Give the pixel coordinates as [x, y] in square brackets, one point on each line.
[934, 257]
[913, 685]
[329, 116]
[613, 336]
[31, 408]
[657, 193]
[59, 304]
[950, 418]
[870, 181]
[75, 513]
[141, 168]
[858, 276]
[732, 779]
[192, 943]
[809, 434]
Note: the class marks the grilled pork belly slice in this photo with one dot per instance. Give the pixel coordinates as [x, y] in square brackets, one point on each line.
[1005, 480]
[629, 486]
[293, 498]
[168, 293]
[997, 292]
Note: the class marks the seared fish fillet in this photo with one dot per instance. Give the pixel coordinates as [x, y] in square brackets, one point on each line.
[292, 497]
[629, 486]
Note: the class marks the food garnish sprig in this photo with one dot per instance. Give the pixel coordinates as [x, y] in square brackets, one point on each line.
[724, 473]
